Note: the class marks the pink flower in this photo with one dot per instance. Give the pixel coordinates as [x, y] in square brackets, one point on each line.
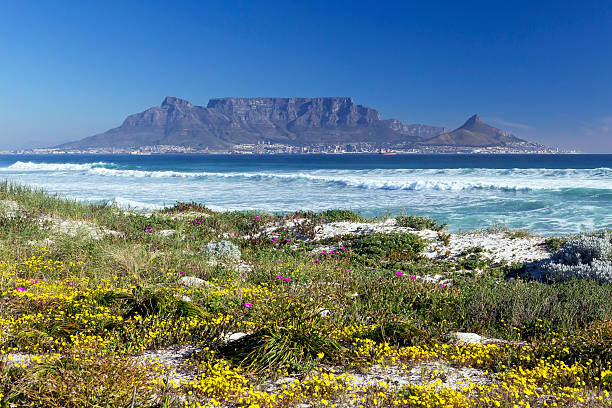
[20, 290]
[248, 305]
[287, 280]
[442, 285]
[257, 217]
[413, 277]
[399, 273]
[242, 275]
[279, 277]
[33, 281]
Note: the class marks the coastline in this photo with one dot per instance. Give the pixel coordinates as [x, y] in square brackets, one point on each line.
[161, 305]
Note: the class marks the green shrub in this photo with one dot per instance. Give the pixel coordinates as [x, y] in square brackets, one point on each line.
[180, 207]
[396, 246]
[554, 243]
[341, 215]
[419, 223]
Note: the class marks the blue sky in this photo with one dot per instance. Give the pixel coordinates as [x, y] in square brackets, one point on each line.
[542, 70]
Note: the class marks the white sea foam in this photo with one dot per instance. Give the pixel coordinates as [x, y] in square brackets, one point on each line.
[31, 166]
[375, 179]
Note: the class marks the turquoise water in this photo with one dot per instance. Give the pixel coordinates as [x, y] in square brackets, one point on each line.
[549, 194]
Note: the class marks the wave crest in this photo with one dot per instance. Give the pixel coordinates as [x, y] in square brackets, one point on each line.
[31, 166]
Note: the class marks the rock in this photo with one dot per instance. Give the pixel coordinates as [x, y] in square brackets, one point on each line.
[243, 268]
[234, 336]
[323, 312]
[192, 281]
[474, 338]
[222, 250]
[41, 243]
[166, 233]
[471, 338]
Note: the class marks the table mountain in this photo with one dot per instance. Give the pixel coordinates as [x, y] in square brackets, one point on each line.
[225, 122]
[476, 133]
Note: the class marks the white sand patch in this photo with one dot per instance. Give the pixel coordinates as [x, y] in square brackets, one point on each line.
[73, 227]
[498, 246]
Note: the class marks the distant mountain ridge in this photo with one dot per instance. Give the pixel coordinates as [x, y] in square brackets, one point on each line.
[300, 122]
[225, 122]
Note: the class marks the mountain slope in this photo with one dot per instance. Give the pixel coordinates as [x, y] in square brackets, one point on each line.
[225, 122]
[474, 132]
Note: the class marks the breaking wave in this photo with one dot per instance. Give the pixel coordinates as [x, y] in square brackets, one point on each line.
[453, 179]
[31, 166]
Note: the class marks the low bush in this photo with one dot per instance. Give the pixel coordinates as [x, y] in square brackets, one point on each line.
[222, 250]
[396, 246]
[419, 223]
[180, 207]
[585, 257]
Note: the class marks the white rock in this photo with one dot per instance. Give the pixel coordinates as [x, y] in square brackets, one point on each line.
[41, 243]
[192, 281]
[235, 336]
[472, 338]
[166, 233]
[323, 312]
[243, 268]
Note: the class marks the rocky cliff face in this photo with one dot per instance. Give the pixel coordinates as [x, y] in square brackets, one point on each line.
[228, 121]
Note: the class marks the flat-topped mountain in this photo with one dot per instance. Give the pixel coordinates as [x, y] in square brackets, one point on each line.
[475, 132]
[225, 122]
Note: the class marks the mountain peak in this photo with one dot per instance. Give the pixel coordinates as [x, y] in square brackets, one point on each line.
[174, 101]
[473, 120]
[476, 133]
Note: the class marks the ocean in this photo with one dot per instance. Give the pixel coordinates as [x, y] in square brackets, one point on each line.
[546, 194]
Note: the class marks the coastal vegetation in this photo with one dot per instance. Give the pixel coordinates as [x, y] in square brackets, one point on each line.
[189, 307]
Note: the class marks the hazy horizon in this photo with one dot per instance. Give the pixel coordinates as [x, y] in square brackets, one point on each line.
[540, 71]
